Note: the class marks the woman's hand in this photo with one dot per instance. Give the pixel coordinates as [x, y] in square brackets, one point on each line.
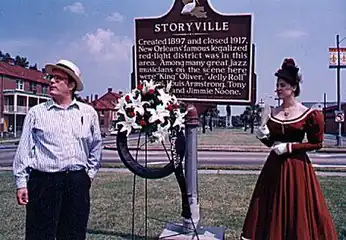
[262, 132]
[281, 148]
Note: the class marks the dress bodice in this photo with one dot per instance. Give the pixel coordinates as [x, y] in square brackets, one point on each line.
[294, 130]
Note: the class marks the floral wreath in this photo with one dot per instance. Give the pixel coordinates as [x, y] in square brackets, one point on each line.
[152, 109]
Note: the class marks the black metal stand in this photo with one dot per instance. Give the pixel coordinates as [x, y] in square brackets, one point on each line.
[133, 206]
[179, 147]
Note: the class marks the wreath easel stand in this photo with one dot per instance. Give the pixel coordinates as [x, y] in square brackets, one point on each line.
[159, 115]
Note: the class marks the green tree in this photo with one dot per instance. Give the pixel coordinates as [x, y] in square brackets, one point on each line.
[33, 67]
[21, 61]
[251, 116]
[6, 57]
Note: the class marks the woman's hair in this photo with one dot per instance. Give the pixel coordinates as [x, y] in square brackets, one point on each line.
[289, 72]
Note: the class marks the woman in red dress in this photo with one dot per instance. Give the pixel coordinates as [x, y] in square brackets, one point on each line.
[287, 202]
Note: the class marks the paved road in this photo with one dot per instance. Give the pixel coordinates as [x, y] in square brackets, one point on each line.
[331, 139]
[204, 158]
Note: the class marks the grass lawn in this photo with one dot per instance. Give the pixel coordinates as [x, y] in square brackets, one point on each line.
[218, 137]
[224, 200]
[221, 137]
[231, 137]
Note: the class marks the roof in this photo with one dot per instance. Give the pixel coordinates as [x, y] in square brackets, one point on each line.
[335, 107]
[22, 73]
[310, 104]
[103, 105]
[110, 96]
[107, 102]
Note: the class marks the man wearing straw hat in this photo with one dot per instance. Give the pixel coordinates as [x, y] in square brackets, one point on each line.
[57, 157]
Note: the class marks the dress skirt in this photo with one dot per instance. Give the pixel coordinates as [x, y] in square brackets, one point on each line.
[288, 203]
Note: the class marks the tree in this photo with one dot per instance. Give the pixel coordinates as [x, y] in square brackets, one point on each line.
[21, 61]
[251, 115]
[6, 57]
[33, 67]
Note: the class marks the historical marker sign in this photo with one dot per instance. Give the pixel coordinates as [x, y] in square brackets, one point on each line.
[206, 55]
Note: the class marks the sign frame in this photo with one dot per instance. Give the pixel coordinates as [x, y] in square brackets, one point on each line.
[250, 75]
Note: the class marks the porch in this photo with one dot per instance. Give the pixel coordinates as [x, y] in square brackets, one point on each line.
[16, 106]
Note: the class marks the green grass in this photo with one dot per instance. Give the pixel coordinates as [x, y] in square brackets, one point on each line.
[225, 138]
[230, 167]
[224, 200]
[228, 139]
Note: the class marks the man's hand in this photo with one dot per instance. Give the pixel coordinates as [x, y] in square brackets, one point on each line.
[22, 196]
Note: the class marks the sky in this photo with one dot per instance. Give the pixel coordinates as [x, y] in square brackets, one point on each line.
[98, 35]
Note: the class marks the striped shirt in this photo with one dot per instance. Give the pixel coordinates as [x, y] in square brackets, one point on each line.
[56, 139]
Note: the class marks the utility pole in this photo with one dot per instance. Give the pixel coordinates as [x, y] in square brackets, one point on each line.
[2, 123]
[338, 137]
[325, 111]
[278, 99]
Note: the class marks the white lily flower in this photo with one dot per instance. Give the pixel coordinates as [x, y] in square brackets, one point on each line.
[154, 116]
[174, 99]
[161, 134]
[164, 97]
[148, 86]
[121, 103]
[121, 110]
[158, 114]
[137, 104]
[169, 85]
[128, 124]
[135, 91]
[179, 121]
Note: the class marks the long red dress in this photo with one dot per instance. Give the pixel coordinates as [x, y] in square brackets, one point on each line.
[287, 202]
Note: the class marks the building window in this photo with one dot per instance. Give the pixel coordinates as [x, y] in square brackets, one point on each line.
[32, 86]
[44, 89]
[20, 85]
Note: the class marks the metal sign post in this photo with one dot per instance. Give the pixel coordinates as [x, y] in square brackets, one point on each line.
[208, 58]
[337, 59]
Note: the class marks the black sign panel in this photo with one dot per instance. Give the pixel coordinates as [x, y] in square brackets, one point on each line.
[206, 55]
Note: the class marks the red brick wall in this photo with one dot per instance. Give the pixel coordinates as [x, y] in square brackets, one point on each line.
[9, 83]
[105, 120]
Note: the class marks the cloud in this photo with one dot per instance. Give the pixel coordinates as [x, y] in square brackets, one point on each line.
[104, 57]
[76, 7]
[293, 34]
[115, 17]
[105, 45]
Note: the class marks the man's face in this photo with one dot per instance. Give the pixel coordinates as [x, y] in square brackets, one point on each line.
[59, 84]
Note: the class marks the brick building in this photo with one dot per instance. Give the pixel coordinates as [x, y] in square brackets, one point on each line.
[105, 107]
[20, 89]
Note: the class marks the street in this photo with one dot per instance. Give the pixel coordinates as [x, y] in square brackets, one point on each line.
[210, 158]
